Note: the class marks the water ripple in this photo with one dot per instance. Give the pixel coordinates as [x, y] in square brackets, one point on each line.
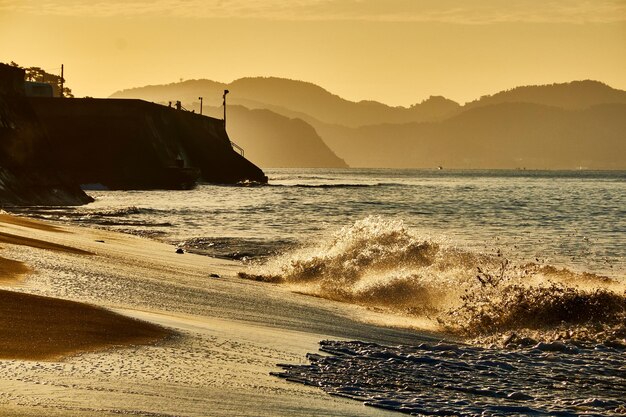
[450, 379]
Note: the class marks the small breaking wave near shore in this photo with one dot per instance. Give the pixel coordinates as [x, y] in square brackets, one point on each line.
[381, 264]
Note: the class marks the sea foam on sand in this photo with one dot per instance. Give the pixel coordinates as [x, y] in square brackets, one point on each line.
[229, 333]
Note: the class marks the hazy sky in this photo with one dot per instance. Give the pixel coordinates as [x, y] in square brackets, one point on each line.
[395, 51]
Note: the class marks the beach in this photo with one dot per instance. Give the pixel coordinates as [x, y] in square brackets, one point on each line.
[325, 293]
[338, 208]
[160, 333]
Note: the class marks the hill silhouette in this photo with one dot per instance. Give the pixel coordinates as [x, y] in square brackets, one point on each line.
[186, 91]
[295, 98]
[269, 138]
[502, 136]
[275, 141]
[557, 126]
[572, 95]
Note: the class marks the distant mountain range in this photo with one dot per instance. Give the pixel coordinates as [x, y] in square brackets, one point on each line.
[289, 123]
[504, 136]
[294, 99]
[576, 95]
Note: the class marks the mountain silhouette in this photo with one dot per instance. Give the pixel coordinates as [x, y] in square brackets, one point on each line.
[295, 98]
[560, 126]
[572, 95]
[572, 125]
[502, 136]
[185, 91]
[269, 139]
[275, 141]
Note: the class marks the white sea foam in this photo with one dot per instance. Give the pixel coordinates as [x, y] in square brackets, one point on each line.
[379, 262]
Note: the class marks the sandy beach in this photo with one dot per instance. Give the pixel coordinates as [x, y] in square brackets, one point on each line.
[101, 323]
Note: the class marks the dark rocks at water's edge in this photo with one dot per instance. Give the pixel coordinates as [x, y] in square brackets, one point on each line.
[50, 146]
[28, 173]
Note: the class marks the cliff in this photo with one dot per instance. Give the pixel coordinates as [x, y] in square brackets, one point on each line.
[28, 173]
[272, 140]
[271, 137]
[133, 144]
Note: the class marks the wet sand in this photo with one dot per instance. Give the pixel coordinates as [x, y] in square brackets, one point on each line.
[39, 244]
[35, 327]
[12, 271]
[230, 333]
[28, 223]
[44, 328]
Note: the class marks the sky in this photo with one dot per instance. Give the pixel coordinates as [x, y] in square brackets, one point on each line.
[398, 52]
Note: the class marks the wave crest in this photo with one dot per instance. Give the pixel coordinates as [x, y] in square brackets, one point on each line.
[380, 263]
[555, 306]
[367, 246]
[376, 262]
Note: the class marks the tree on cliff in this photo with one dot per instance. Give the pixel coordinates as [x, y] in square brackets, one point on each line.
[39, 75]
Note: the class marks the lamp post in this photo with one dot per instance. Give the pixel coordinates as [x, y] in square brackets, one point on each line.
[200, 105]
[224, 97]
[62, 81]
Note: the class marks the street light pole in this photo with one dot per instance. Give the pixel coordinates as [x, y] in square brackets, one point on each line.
[200, 105]
[224, 97]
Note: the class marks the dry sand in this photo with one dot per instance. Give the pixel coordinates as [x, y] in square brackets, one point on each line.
[229, 333]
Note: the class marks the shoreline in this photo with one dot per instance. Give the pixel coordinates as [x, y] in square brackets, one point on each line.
[233, 332]
[37, 327]
[49, 329]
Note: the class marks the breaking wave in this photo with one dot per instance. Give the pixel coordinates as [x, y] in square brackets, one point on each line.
[381, 264]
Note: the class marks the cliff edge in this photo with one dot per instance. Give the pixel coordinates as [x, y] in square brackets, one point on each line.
[50, 147]
[28, 175]
[134, 144]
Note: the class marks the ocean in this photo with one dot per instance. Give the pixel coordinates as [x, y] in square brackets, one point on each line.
[525, 271]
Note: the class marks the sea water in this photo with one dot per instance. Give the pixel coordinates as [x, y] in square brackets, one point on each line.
[526, 267]
[575, 219]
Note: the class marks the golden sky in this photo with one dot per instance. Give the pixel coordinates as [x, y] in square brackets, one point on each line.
[395, 51]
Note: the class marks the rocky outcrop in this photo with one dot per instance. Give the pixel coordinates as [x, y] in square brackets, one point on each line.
[49, 147]
[28, 174]
[133, 144]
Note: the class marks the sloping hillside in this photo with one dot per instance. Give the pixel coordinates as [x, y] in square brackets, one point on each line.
[509, 135]
[272, 140]
[568, 125]
[287, 97]
[573, 95]
[268, 138]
